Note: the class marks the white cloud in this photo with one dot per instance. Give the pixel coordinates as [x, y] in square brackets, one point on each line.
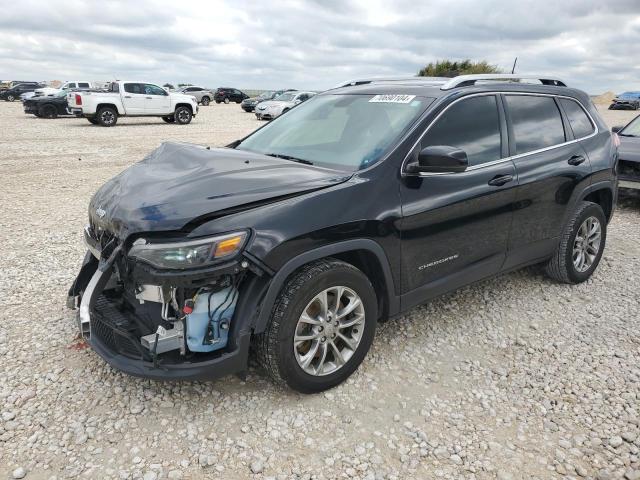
[315, 43]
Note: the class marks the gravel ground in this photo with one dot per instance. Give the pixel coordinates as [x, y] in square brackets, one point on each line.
[516, 377]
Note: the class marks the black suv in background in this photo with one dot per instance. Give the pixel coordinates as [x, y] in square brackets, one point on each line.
[227, 95]
[14, 92]
[353, 207]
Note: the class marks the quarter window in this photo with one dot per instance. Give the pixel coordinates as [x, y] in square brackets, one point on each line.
[472, 125]
[578, 119]
[536, 122]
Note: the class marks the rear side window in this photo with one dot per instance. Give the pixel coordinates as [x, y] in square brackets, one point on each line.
[133, 88]
[536, 122]
[83, 85]
[578, 118]
[472, 125]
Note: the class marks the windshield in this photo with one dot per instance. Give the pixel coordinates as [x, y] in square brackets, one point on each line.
[631, 130]
[285, 97]
[348, 132]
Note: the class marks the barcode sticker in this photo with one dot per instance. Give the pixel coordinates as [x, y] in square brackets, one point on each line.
[392, 99]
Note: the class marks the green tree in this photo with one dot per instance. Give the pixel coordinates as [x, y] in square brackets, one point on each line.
[448, 68]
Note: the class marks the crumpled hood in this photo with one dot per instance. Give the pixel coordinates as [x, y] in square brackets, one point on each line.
[629, 148]
[180, 184]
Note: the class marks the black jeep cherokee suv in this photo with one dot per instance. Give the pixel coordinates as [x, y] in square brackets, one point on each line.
[352, 208]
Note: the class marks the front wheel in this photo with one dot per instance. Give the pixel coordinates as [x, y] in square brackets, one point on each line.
[581, 245]
[226, 100]
[93, 120]
[10, 98]
[183, 115]
[170, 119]
[107, 116]
[321, 328]
[205, 101]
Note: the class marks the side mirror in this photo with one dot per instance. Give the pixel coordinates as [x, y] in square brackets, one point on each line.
[617, 128]
[440, 159]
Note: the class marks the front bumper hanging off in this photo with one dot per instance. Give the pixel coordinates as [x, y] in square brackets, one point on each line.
[101, 323]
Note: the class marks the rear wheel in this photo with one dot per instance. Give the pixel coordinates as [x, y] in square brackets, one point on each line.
[107, 116]
[321, 327]
[581, 245]
[206, 101]
[170, 119]
[48, 111]
[183, 115]
[226, 100]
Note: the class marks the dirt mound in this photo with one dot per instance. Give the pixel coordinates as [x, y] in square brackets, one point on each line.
[605, 98]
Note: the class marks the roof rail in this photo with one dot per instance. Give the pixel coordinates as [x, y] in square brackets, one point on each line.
[416, 79]
[467, 80]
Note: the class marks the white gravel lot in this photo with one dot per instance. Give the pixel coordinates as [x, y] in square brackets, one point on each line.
[514, 378]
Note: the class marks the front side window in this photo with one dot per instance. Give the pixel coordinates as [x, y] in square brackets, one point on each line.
[536, 122]
[473, 125]
[133, 88]
[578, 118]
[153, 90]
[346, 132]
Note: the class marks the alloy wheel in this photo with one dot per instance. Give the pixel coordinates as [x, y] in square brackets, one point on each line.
[107, 117]
[587, 244]
[329, 331]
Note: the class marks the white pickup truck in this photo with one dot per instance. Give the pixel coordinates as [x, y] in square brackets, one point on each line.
[132, 99]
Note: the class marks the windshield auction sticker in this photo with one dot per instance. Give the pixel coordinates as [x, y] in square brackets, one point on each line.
[392, 99]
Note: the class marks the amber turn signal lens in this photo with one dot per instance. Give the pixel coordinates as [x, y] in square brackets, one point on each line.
[228, 246]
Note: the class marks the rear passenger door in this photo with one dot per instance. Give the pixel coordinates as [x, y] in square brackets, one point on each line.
[550, 165]
[455, 226]
[133, 98]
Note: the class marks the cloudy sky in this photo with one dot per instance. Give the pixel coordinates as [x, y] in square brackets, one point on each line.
[593, 45]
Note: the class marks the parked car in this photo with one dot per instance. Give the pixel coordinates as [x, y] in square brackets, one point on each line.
[75, 85]
[274, 108]
[202, 95]
[629, 154]
[354, 207]
[626, 101]
[249, 104]
[226, 95]
[132, 99]
[47, 106]
[14, 92]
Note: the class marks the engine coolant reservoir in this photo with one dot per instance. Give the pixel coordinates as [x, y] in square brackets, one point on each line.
[198, 320]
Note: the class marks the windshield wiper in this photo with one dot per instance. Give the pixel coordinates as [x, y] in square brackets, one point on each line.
[289, 157]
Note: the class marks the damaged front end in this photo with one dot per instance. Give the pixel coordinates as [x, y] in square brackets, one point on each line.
[165, 308]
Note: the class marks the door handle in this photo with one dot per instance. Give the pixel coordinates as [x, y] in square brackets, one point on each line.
[500, 180]
[576, 160]
[127, 96]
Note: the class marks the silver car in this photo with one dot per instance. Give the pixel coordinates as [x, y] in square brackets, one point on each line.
[202, 95]
[274, 108]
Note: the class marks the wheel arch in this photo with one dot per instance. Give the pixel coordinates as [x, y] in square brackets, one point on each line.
[178, 105]
[364, 254]
[601, 193]
[111, 105]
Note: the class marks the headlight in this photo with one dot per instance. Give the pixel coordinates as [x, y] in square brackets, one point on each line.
[190, 254]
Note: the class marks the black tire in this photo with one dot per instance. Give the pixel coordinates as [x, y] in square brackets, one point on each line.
[274, 347]
[218, 101]
[182, 115]
[170, 119]
[205, 101]
[10, 98]
[226, 100]
[93, 121]
[107, 116]
[561, 266]
[48, 111]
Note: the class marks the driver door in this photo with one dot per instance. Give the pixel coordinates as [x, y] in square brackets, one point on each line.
[156, 100]
[455, 226]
